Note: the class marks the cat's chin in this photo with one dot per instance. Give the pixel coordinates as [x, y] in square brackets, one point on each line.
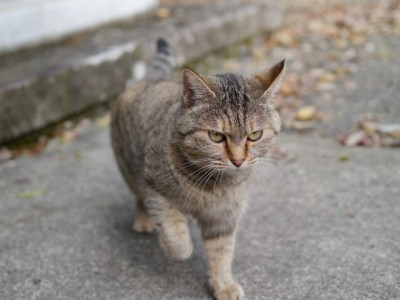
[235, 170]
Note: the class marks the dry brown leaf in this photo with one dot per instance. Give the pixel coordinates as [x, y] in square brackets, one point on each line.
[392, 130]
[68, 137]
[163, 13]
[306, 113]
[5, 154]
[327, 77]
[355, 138]
[303, 125]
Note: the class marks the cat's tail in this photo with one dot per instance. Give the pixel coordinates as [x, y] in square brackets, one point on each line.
[160, 68]
[163, 63]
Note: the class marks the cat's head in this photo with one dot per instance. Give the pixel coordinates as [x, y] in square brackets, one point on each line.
[228, 121]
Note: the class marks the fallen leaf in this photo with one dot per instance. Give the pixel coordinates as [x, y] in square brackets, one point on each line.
[341, 71]
[316, 73]
[369, 127]
[393, 130]
[355, 138]
[306, 113]
[316, 25]
[388, 141]
[286, 38]
[68, 137]
[358, 39]
[341, 44]
[21, 180]
[325, 87]
[343, 157]
[369, 141]
[5, 154]
[303, 125]
[327, 78]
[30, 194]
[163, 13]
[350, 85]
[78, 154]
[258, 53]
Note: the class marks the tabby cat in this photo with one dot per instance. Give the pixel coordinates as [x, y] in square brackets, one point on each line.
[189, 148]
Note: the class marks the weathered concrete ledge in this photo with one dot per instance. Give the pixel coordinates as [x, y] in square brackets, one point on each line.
[47, 84]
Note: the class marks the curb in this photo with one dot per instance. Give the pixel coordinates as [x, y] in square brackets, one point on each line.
[45, 85]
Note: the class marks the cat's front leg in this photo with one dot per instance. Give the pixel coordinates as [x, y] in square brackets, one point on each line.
[220, 255]
[172, 227]
[143, 222]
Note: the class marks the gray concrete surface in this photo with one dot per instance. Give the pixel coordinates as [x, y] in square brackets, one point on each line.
[45, 85]
[316, 228]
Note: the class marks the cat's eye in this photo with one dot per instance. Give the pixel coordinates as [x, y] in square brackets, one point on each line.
[255, 135]
[216, 136]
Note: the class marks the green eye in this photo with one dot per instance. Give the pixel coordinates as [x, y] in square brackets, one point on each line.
[255, 136]
[216, 136]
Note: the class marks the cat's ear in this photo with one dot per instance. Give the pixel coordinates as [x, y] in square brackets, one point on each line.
[270, 79]
[195, 88]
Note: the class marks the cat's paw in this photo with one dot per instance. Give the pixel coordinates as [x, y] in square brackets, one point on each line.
[143, 224]
[176, 242]
[233, 291]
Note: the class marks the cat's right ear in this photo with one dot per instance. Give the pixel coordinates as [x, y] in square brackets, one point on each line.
[271, 79]
[195, 88]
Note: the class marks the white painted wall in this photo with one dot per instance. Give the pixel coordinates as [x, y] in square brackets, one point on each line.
[26, 22]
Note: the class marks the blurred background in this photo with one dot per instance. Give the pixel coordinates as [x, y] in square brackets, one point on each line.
[326, 222]
[63, 59]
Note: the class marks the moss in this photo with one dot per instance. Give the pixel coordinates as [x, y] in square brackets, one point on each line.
[52, 130]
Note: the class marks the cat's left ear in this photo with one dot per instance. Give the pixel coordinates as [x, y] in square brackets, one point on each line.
[195, 88]
[270, 79]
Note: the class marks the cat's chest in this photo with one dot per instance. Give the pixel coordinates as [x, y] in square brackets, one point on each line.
[217, 199]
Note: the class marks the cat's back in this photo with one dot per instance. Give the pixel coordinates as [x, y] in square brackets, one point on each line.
[145, 102]
[140, 110]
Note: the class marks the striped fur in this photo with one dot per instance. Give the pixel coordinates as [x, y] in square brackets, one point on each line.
[160, 136]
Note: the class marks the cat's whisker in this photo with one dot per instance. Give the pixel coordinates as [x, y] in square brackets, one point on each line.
[198, 184]
[273, 155]
[269, 167]
[203, 174]
[199, 180]
[216, 179]
[266, 173]
[268, 159]
[168, 173]
[262, 172]
[205, 183]
[254, 171]
[193, 176]
[185, 179]
[197, 160]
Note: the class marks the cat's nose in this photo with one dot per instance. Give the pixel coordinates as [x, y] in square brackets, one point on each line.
[237, 162]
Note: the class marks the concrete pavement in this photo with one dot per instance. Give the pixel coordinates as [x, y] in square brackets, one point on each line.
[317, 228]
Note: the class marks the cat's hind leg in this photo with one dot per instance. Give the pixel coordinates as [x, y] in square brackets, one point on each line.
[143, 222]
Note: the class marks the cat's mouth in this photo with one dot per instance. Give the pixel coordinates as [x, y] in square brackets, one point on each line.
[234, 169]
[233, 166]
